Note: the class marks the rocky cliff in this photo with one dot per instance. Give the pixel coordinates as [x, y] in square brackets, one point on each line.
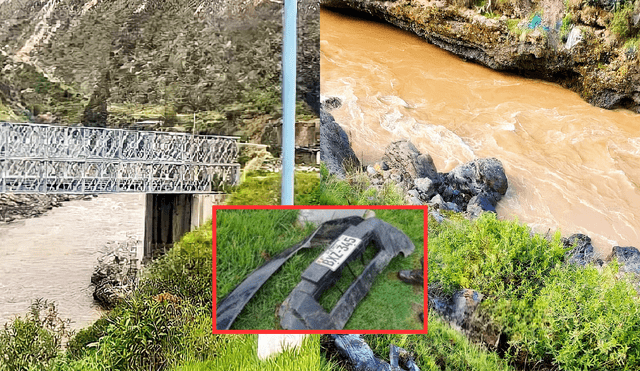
[589, 47]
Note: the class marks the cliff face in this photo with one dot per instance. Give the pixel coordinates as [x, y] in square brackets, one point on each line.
[584, 48]
[169, 57]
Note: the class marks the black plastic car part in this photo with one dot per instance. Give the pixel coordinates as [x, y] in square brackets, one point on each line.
[360, 356]
[231, 306]
[302, 311]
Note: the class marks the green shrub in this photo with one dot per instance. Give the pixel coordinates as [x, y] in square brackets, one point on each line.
[33, 341]
[567, 23]
[86, 338]
[620, 22]
[185, 271]
[553, 314]
[142, 332]
[584, 319]
[494, 257]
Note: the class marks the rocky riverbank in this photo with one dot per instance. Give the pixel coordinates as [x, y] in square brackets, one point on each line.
[22, 206]
[583, 47]
[472, 189]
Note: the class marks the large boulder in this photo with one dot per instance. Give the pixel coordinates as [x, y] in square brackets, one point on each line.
[479, 204]
[457, 309]
[628, 257]
[115, 275]
[405, 156]
[484, 175]
[581, 252]
[335, 149]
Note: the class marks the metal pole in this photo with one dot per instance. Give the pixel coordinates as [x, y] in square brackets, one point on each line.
[288, 99]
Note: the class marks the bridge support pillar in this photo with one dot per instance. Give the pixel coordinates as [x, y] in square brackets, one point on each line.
[167, 219]
[169, 216]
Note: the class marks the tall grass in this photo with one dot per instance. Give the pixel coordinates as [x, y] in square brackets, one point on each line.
[238, 352]
[443, 348]
[554, 315]
[355, 189]
[264, 188]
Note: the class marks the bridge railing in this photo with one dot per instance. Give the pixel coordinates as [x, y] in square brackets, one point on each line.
[59, 159]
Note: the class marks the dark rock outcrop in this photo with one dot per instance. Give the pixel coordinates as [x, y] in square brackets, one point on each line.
[458, 308]
[360, 357]
[335, 149]
[482, 180]
[474, 187]
[115, 275]
[405, 156]
[331, 103]
[628, 257]
[581, 252]
[22, 206]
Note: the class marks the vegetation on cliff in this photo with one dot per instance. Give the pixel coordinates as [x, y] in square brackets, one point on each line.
[538, 310]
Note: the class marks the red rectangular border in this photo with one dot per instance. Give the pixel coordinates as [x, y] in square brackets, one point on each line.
[331, 207]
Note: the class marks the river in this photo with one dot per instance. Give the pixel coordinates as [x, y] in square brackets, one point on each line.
[571, 166]
[53, 256]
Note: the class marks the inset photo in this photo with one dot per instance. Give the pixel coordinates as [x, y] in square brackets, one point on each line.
[309, 269]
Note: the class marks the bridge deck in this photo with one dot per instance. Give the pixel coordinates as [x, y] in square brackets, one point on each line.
[81, 160]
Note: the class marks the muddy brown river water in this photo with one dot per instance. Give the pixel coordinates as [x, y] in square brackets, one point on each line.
[53, 256]
[570, 165]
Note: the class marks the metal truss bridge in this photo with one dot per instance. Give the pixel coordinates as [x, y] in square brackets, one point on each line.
[82, 160]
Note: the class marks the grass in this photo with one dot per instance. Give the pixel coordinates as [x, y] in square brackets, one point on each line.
[264, 188]
[443, 348]
[620, 22]
[356, 189]
[512, 25]
[554, 315]
[238, 352]
[7, 114]
[248, 238]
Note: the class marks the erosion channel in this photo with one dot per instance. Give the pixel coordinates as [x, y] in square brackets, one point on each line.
[570, 165]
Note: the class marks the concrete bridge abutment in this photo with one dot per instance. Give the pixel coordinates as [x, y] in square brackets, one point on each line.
[168, 217]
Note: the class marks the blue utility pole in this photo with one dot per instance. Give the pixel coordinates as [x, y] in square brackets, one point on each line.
[289, 52]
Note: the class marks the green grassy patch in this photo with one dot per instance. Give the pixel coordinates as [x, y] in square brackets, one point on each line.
[249, 238]
[512, 25]
[620, 24]
[443, 348]
[355, 189]
[238, 352]
[7, 114]
[264, 188]
[23, 86]
[552, 313]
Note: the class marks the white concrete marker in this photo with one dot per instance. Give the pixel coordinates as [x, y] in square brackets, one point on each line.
[319, 216]
[270, 344]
